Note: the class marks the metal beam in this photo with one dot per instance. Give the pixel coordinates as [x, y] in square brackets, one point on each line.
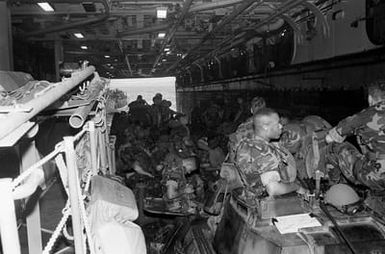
[125, 57]
[76, 24]
[186, 7]
[220, 25]
[144, 30]
[214, 5]
[277, 13]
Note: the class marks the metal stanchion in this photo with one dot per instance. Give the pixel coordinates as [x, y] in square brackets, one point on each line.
[73, 183]
[8, 226]
[94, 156]
[102, 150]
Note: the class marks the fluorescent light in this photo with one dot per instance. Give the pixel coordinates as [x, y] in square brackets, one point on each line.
[79, 35]
[46, 6]
[161, 35]
[106, 56]
[161, 12]
[83, 47]
[166, 49]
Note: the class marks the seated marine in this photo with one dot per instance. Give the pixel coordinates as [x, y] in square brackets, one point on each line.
[368, 126]
[245, 129]
[263, 164]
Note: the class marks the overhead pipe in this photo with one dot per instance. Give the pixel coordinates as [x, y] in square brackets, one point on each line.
[78, 118]
[125, 57]
[144, 30]
[262, 25]
[219, 66]
[201, 71]
[293, 25]
[190, 75]
[185, 9]
[150, 2]
[279, 11]
[220, 25]
[76, 24]
[14, 120]
[227, 19]
[214, 5]
[314, 9]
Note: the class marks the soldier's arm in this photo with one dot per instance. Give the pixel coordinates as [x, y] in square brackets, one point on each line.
[278, 188]
[347, 126]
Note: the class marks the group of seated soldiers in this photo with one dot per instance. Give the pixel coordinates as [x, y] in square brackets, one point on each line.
[160, 139]
[262, 161]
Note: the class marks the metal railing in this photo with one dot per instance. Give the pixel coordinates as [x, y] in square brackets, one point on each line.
[94, 145]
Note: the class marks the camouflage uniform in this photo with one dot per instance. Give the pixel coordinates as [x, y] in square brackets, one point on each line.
[368, 125]
[254, 157]
[244, 130]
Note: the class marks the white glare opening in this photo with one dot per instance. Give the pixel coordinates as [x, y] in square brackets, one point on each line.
[46, 6]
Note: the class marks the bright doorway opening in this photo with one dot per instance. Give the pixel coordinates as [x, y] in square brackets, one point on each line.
[147, 87]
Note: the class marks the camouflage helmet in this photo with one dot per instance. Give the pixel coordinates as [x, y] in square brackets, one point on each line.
[257, 103]
[292, 135]
[341, 195]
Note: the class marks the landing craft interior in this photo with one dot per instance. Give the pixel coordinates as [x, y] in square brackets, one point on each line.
[116, 176]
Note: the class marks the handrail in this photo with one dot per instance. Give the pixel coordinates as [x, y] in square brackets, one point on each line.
[16, 119]
[71, 172]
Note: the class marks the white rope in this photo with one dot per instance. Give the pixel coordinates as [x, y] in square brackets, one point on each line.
[83, 212]
[88, 180]
[85, 221]
[66, 213]
[67, 235]
[80, 134]
[59, 148]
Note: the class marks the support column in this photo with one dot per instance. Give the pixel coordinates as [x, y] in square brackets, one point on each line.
[8, 227]
[6, 60]
[73, 183]
[29, 157]
[58, 58]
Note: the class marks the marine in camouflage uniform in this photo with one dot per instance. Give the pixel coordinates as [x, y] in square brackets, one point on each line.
[261, 162]
[245, 129]
[254, 157]
[368, 125]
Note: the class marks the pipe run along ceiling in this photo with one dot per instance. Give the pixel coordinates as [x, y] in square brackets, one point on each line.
[126, 38]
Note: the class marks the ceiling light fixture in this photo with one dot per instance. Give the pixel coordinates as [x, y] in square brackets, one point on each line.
[83, 47]
[46, 6]
[79, 35]
[161, 35]
[106, 56]
[166, 49]
[161, 12]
